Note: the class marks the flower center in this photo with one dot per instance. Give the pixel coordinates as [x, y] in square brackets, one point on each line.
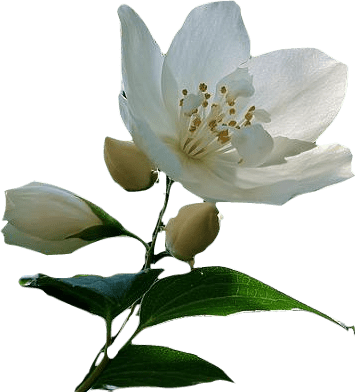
[207, 127]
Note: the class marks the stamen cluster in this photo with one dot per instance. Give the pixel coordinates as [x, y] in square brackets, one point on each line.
[207, 127]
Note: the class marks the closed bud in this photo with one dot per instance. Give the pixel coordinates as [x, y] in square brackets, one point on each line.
[52, 220]
[193, 229]
[128, 165]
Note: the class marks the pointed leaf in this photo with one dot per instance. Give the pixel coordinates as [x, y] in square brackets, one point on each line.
[213, 291]
[105, 297]
[156, 366]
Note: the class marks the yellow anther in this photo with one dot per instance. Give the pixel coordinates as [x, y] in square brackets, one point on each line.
[247, 124]
[207, 96]
[192, 128]
[251, 109]
[223, 89]
[202, 87]
[212, 124]
[184, 91]
[231, 103]
[232, 111]
[248, 116]
[194, 111]
[204, 104]
[197, 122]
[181, 102]
[232, 123]
[223, 137]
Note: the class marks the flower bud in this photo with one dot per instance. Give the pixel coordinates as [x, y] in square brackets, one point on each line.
[128, 165]
[42, 217]
[193, 229]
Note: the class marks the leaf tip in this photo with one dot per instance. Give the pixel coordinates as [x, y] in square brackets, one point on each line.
[28, 280]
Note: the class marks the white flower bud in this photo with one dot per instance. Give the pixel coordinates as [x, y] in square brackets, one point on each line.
[128, 165]
[193, 229]
[41, 217]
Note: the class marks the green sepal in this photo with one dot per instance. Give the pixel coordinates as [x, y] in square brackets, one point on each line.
[99, 232]
[110, 226]
[105, 218]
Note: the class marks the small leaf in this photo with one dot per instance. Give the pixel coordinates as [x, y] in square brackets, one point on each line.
[213, 291]
[105, 297]
[155, 366]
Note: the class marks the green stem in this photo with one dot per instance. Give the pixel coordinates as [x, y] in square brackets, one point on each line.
[93, 376]
[125, 322]
[88, 382]
[161, 255]
[108, 335]
[129, 341]
[149, 259]
[129, 234]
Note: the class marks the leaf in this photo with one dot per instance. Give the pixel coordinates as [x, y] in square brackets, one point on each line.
[213, 291]
[156, 366]
[105, 297]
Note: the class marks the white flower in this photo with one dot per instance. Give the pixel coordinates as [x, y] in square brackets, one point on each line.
[41, 217]
[227, 126]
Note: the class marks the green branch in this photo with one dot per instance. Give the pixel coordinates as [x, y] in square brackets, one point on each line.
[93, 376]
[149, 259]
[129, 234]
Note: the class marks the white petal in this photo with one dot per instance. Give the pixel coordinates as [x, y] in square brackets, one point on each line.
[213, 179]
[141, 67]
[238, 83]
[253, 143]
[285, 147]
[13, 236]
[302, 90]
[220, 178]
[307, 172]
[125, 113]
[148, 142]
[212, 42]
[155, 149]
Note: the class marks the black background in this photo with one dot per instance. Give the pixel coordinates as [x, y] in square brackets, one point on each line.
[64, 82]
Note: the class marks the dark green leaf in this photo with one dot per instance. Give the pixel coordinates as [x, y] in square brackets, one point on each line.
[213, 291]
[155, 366]
[106, 297]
